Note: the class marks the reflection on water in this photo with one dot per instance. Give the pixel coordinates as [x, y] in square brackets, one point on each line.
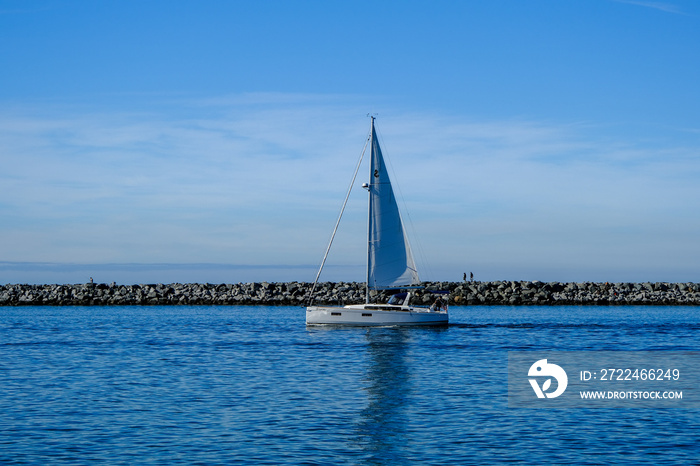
[382, 424]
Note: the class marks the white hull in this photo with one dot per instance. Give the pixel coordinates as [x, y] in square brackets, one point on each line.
[374, 314]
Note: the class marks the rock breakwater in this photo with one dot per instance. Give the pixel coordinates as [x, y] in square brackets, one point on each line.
[297, 293]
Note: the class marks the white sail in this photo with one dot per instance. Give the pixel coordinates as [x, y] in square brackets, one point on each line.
[390, 262]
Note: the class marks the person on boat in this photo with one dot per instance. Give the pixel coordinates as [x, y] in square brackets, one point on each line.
[438, 305]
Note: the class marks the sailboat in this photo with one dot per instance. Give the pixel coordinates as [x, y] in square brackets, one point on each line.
[390, 264]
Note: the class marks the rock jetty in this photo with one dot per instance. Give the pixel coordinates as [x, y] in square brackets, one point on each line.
[297, 293]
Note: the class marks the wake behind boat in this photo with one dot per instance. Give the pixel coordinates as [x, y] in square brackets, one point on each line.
[390, 264]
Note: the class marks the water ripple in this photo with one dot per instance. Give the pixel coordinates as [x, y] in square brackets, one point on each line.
[253, 385]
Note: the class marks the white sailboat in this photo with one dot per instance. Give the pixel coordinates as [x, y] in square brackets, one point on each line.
[390, 263]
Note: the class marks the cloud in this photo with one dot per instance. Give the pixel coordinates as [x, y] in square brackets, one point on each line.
[662, 6]
[258, 179]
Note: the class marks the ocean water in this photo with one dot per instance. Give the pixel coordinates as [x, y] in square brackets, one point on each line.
[254, 385]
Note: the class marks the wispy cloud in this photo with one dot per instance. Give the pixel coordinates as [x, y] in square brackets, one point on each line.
[662, 6]
[258, 179]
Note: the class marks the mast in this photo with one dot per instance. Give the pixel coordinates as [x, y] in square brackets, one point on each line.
[369, 209]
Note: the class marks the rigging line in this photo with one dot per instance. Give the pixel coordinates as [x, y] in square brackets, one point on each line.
[342, 209]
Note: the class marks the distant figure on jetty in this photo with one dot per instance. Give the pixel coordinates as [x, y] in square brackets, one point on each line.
[471, 276]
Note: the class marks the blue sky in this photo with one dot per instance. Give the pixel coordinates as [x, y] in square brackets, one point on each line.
[213, 141]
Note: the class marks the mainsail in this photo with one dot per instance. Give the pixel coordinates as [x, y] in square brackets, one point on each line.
[390, 262]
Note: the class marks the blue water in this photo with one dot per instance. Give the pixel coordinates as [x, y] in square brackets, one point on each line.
[254, 385]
